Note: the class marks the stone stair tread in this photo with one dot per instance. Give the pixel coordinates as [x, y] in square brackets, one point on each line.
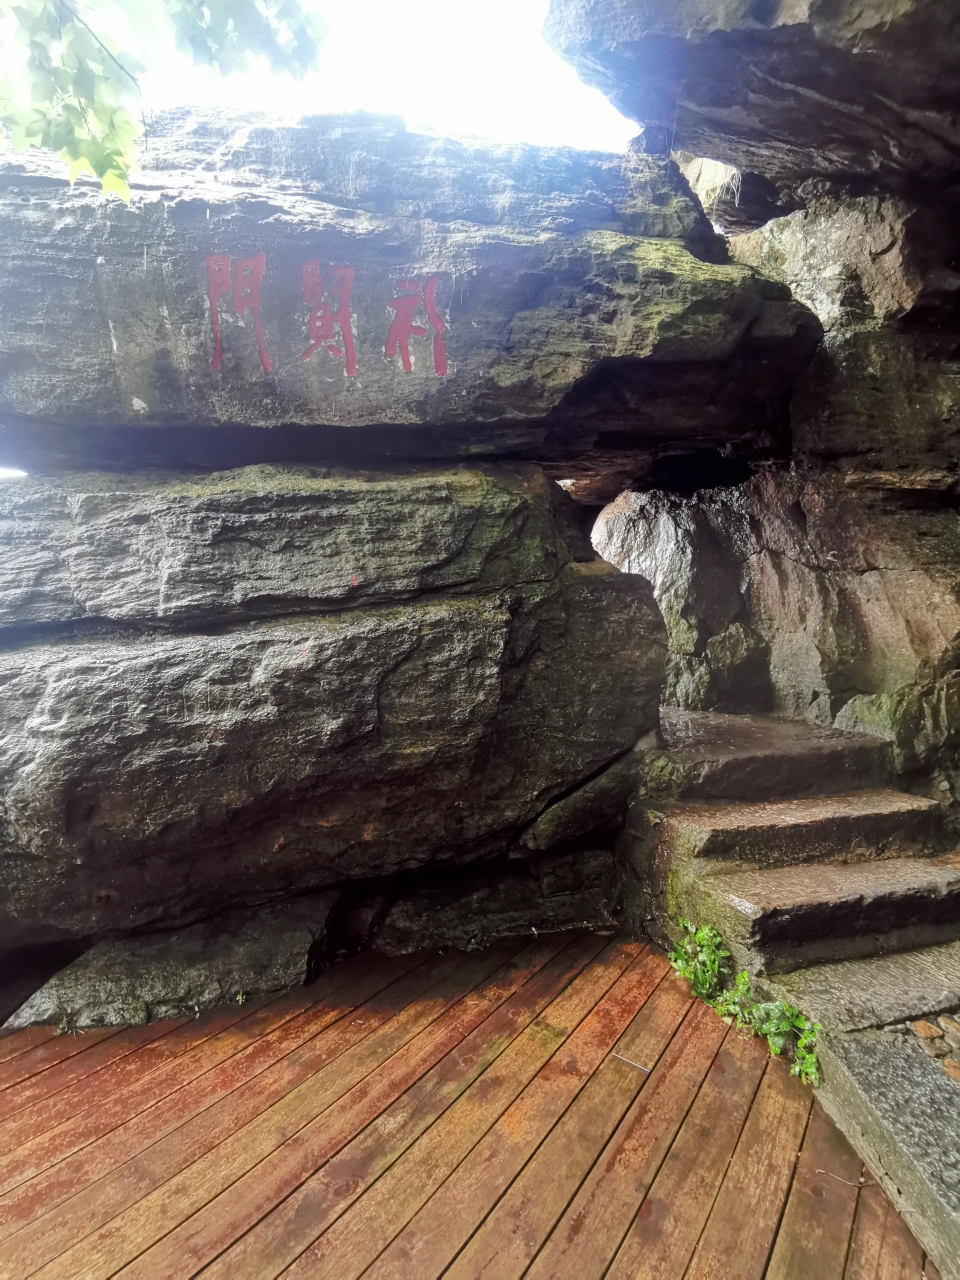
[733, 815]
[726, 756]
[780, 889]
[874, 991]
[727, 836]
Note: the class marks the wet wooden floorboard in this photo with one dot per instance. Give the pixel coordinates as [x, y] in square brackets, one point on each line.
[553, 1108]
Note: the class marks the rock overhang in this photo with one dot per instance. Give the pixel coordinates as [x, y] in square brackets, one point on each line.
[361, 290]
[791, 89]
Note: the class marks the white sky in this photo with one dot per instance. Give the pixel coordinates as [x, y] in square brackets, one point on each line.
[475, 68]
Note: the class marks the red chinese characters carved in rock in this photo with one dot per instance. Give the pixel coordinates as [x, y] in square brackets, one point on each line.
[412, 295]
[326, 317]
[242, 276]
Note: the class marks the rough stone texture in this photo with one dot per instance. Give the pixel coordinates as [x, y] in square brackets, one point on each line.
[255, 541]
[883, 393]
[165, 756]
[783, 88]
[902, 1114]
[835, 828]
[852, 604]
[548, 894]
[787, 917]
[597, 808]
[569, 283]
[172, 975]
[724, 757]
[830, 593]
[853, 995]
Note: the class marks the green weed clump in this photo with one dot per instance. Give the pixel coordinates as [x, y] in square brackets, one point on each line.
[701, 957]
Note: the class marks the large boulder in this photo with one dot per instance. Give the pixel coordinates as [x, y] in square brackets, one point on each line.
[788, 89]
[363, 291]
[231, 957]
[827, 598]
[225, 689]
[879, 271]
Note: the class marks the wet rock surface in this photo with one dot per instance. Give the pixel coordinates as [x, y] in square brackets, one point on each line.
[781, 88]
[881, 400]
[905, 1112]
[279, 681]
[543, 896]
[548, 303]
[805, 596]
[172, 975]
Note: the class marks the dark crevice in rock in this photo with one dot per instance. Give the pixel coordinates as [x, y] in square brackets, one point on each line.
[23, 970]
[687, 473]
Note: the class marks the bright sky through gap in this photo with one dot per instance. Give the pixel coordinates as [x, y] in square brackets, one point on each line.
[466, 68]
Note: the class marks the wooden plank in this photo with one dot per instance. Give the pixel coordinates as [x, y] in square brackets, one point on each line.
[42, 1088]
[364, 1231]
[325, 1107]
[330, 1030]
[435, 1234]
[665, 1232]
[815, 1230]
[13, 1043]
[272, 1067]
[743, 1222]
[505, 1244]
[47, 1113]
[230, 1031]
[881, 1247]
[48, 1054]
[238, 1207]
[589, 1233]
[119, 1075]
[286, 1232]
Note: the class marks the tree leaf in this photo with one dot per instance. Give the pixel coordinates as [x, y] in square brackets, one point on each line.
[113, 184]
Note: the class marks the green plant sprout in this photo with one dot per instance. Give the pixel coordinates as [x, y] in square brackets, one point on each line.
[701, 958]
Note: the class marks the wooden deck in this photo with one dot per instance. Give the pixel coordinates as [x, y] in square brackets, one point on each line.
[554, 1109]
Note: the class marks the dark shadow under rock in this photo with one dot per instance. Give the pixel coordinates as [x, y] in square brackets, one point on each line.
[543, 896]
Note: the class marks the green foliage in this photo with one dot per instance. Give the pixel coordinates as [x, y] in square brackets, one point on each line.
[701, 957]
[77, 91]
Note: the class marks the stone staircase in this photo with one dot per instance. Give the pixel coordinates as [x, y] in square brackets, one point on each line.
[786, 839]
[839, 894]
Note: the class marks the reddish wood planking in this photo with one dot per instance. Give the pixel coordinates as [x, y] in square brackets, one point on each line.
[448, 1219]
[38, 1092]
[320, 1045]
[47, 1055]
[506, 1242]
[593, 1225]
[743, 1223]
[816, 1225]
[882, 1247]
[284, 1234]
[223, 1211]
[13, 1043]
[478, 1115]
[672, 1215]
[361, 1234]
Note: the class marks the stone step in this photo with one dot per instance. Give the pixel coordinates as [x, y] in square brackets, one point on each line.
[710, 836]
[875, 991]
[760, 757]
[786, 918]
[896, 1104]
[901, 1112]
